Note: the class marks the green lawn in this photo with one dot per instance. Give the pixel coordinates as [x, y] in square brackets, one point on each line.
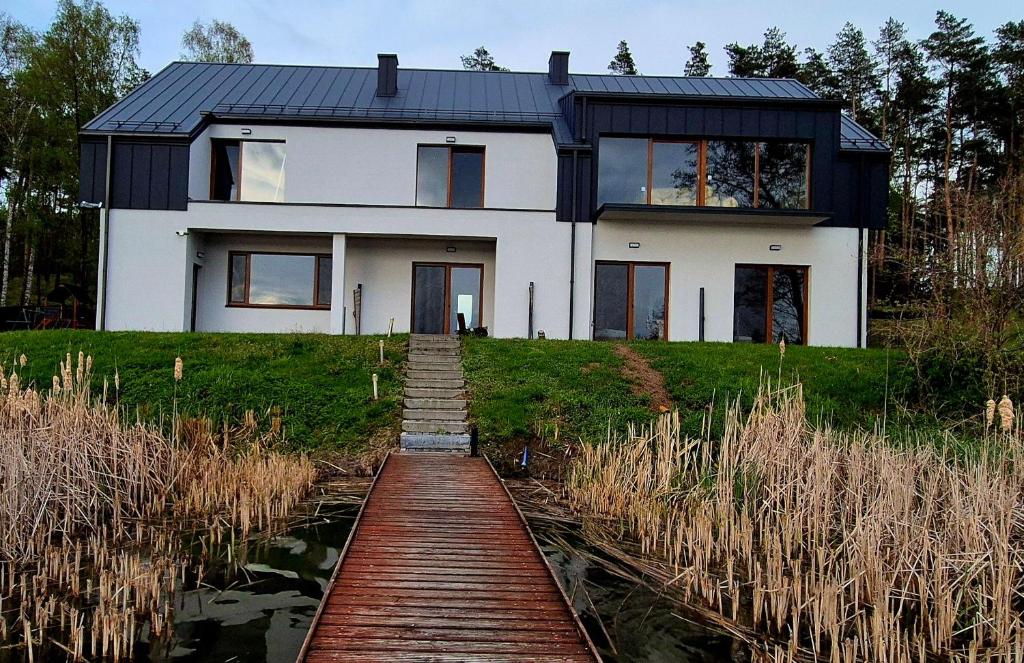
[846, 387]
[521, 389]
[322, 384]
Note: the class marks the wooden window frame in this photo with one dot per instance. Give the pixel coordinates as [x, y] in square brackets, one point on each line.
[447, 291]
[702, 166]
[631, 268]
[769, 304]
[238, 185]
[248, 277]
[482, 149]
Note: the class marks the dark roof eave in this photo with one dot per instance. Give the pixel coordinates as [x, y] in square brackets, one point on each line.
[287, 119]
[634, 97]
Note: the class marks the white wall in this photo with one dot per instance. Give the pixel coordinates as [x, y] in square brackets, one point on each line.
[706, 256]
[146, 274]
[213, 313]
[384, 267]
[378, 166]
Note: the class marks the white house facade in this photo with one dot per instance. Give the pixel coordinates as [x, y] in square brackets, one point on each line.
[353, 201]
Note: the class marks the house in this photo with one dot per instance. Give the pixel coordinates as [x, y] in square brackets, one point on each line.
[345, 200]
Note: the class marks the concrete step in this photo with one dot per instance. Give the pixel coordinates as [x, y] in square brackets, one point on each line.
[433, 375]
[435, 403]
[434, 442]
[434, 346]
[429, 352]
[416, 426]
[434, 415]
[434, 357]
[433, 394]
[434, 366]
[423, 383]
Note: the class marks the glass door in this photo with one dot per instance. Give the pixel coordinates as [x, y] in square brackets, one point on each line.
[443, 291]
[630, 300]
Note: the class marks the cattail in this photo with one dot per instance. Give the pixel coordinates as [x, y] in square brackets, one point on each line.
[117, 380]
[990, 413]
[56, 385]
[178, 369]
[1006, 414]
[23, 360]
[782, 347]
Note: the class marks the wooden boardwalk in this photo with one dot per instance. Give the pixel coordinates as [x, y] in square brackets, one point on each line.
[441, 567]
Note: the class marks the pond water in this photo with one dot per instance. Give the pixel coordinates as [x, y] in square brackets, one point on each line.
[262, 610]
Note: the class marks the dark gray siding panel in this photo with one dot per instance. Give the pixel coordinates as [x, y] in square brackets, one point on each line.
[846, 194]
[92, 171]
[149, 175]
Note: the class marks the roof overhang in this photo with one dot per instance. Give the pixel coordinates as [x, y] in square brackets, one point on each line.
[711, 215]
[642, 98]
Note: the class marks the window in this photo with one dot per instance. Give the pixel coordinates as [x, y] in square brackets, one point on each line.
[630, 300]
[286, 280]
[248, 171]
[770, 304]
[448, 176]
[711, 173]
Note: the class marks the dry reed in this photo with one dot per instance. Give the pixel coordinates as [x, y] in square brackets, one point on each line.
[94, 511]
[838, 546]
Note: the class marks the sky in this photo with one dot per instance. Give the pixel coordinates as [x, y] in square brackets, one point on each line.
[520, 35]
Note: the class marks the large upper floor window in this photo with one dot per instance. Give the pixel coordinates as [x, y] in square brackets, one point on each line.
[283, 280]
[713, 173]
[450, 176]
[247, 170]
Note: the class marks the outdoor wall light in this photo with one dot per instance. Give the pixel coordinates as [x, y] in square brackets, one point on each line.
[775, 247]
[181, 233]
[634, 245]
[449, 139]
[200, 254]
[450, 249]
[246, 132]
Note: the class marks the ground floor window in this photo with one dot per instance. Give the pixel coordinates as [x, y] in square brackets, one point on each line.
[770, 304]
[630, 300]
[441, 292]
[283, 280]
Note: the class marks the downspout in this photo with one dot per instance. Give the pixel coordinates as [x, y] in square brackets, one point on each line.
[101, 320]
[572, 247]
[860, 285]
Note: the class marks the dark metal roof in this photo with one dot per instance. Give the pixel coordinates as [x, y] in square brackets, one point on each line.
[852, 136]
[177, 99]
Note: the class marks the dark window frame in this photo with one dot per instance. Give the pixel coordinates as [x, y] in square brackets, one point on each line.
[447, 290]
[769, 303]
[238, 180]
[476, 149]
[248, 277]
[702, 165]
[630, 293]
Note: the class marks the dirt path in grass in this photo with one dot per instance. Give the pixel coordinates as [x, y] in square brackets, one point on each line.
[645, 381]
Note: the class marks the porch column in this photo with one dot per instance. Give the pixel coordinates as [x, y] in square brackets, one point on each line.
[339, 296]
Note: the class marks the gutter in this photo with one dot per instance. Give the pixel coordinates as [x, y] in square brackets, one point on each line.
[101, 295]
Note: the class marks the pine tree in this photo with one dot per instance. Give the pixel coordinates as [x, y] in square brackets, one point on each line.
[817, 75]
[892, 37]
[855, 70]
[774, 58]
[622, 64]
[698, 64]
[1009, 58]
[480, 60]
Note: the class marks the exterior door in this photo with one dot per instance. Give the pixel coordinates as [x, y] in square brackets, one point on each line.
[630, 300]
[441, 291]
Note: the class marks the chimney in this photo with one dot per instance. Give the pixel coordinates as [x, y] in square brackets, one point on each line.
[558, 68]
[387, 74]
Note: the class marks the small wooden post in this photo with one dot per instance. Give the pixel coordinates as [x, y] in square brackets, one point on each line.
[391, 327]
[375, 386]
[380, 344]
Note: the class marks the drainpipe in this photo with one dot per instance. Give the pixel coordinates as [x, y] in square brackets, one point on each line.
[860, 286]
[572, 247]
[101, 296]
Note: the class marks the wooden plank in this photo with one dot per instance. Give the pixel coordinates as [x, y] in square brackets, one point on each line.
[441, 566]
